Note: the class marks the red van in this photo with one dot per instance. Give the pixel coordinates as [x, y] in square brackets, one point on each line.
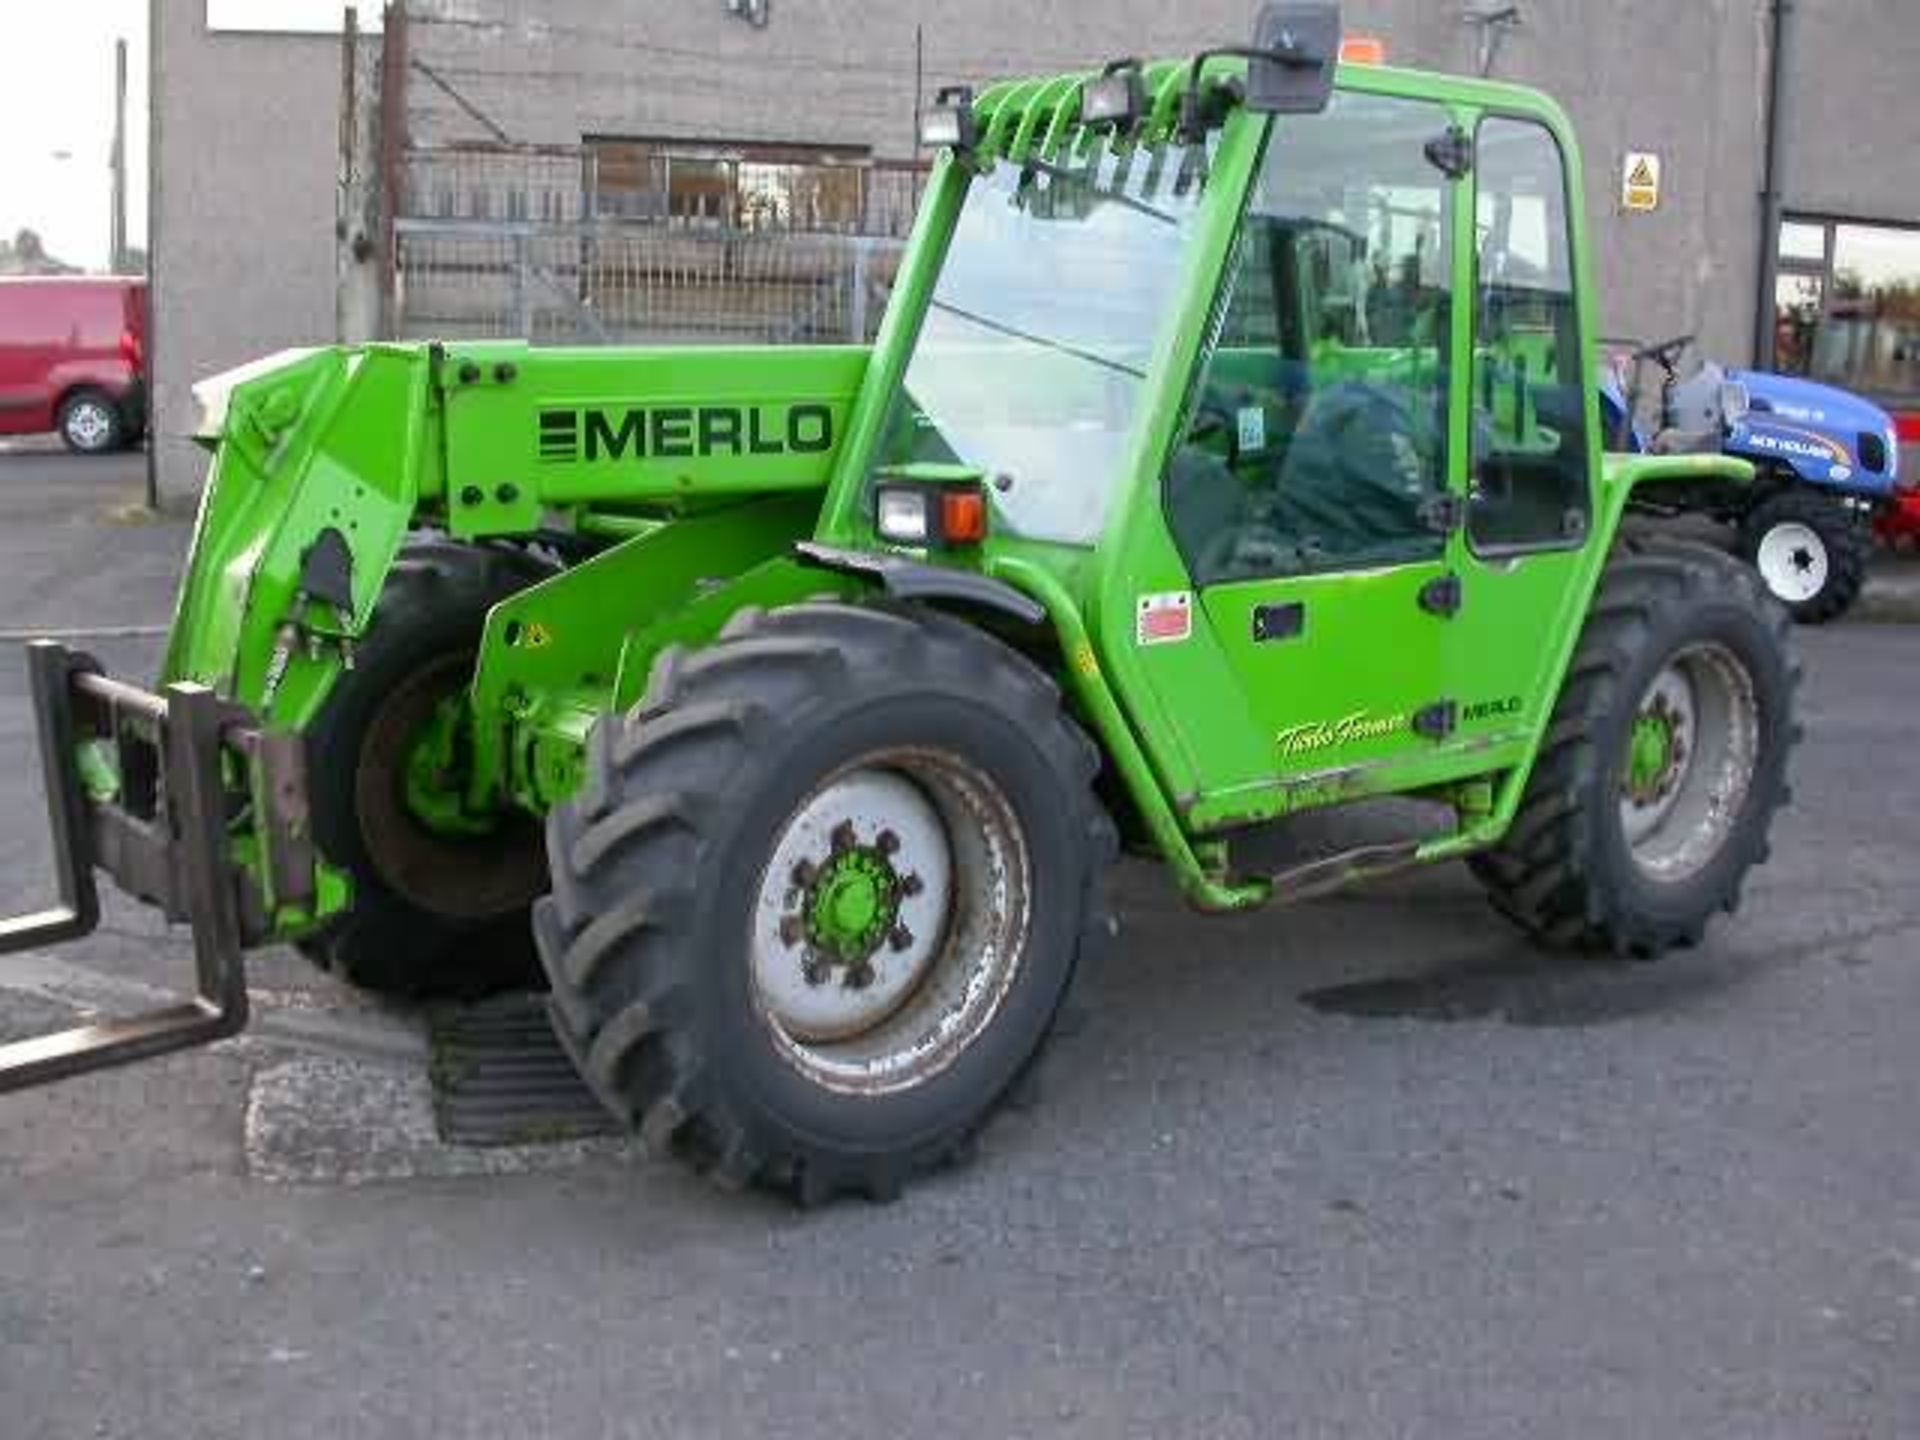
[73, 359]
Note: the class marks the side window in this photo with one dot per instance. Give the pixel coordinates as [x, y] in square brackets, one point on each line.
[1318, 437]
[1529, 400]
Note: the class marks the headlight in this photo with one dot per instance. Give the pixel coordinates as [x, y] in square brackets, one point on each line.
[937, 515]
[901, 516]
[1734, 401]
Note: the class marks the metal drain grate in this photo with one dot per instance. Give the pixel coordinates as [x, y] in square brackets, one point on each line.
[501, 1078]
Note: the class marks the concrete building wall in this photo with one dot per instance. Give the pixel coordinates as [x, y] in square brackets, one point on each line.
[1684, 80]
[247, 125]
[1852, 146]
[246, 139]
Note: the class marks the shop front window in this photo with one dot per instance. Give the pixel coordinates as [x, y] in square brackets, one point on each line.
[1847, 306]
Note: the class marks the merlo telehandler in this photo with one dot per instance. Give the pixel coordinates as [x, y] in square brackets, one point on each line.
[1229, 457]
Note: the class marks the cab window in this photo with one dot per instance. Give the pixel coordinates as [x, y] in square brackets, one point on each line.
[1318, 431]
[1529, 428]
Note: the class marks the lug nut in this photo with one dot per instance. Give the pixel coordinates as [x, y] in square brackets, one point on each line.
[844, 838]
[887, 842]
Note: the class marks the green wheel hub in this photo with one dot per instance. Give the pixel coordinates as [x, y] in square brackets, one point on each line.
[848, 906]
[855, 900]
[1657, 752]
[435, 775]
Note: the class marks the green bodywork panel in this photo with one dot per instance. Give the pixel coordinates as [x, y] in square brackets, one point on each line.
[696, 471]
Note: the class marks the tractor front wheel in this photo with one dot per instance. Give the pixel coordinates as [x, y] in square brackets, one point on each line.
[1664, 763]
[1810, 549]
[440, 897]
[817, 905]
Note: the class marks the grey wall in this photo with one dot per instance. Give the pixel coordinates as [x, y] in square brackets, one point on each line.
[242, 210]
[1853, 109]
[1685, 79]
[244, 204]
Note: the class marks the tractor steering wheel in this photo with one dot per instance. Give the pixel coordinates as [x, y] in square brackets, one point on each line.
[1667, 353]
[1210, 416]
[1245, 552]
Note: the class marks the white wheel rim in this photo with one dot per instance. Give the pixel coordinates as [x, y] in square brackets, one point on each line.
[1792, 559]
[1681, 822]
[895, 1009]
[89, 424]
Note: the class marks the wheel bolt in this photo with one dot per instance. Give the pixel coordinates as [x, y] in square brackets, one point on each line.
[814, 970]
[859, 975]
[910, 885]
[843, 838]
[899, 938]
[804, 874]
[887, 842]
[792, 931]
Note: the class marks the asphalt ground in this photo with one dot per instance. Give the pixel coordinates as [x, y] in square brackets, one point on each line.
[1370, 1167]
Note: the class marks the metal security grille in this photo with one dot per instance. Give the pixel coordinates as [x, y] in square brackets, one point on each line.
[636, 242]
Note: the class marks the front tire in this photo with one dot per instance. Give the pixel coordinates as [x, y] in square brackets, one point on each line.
[818, 903]
[1664, 764]
[1811, 551]
[433, 914]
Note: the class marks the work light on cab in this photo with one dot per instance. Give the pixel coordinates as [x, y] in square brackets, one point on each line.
[1116, 99]
[949, 123]
[931, 506]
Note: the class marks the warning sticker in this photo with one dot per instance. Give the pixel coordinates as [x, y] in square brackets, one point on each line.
[1165, 619]
[1640, 181]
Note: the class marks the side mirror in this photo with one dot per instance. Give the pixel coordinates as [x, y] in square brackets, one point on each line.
[1295, 47]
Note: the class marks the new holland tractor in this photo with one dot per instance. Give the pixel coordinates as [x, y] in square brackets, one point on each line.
[1827, 467]
[1229, 453]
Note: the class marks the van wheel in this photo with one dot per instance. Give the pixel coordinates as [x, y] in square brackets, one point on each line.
[91, 424]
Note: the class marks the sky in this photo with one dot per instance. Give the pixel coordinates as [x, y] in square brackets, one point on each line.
[56, 100]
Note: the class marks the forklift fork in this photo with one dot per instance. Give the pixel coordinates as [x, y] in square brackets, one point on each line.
[160, 830]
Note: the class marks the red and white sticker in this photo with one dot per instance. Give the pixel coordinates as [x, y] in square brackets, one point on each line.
[1164, 619]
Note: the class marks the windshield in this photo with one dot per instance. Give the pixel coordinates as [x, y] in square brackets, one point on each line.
[1032, 359]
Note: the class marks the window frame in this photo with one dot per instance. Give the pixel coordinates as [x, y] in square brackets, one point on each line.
[1582, 346]
[1226, 284]
[1830, 223]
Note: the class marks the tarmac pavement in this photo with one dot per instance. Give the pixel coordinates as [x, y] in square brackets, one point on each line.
[1370, 1167]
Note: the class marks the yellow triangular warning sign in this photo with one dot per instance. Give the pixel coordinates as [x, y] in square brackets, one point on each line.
[1641, 174]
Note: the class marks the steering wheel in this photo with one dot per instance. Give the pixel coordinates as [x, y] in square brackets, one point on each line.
[1210, 416]
[1245, 552]
[1667, 353]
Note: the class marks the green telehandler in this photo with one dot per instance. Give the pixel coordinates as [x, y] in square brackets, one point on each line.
[1228, 457]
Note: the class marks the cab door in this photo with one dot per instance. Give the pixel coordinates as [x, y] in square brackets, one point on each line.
[1314, 495]
[1534, 437]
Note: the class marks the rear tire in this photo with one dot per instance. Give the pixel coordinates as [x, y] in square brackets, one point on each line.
[90, 423]
[1664, 764]
[432, 915]
[811, 754]
[1811, 551]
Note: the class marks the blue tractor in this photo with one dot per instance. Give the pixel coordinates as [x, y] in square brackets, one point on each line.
[1826, 461]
